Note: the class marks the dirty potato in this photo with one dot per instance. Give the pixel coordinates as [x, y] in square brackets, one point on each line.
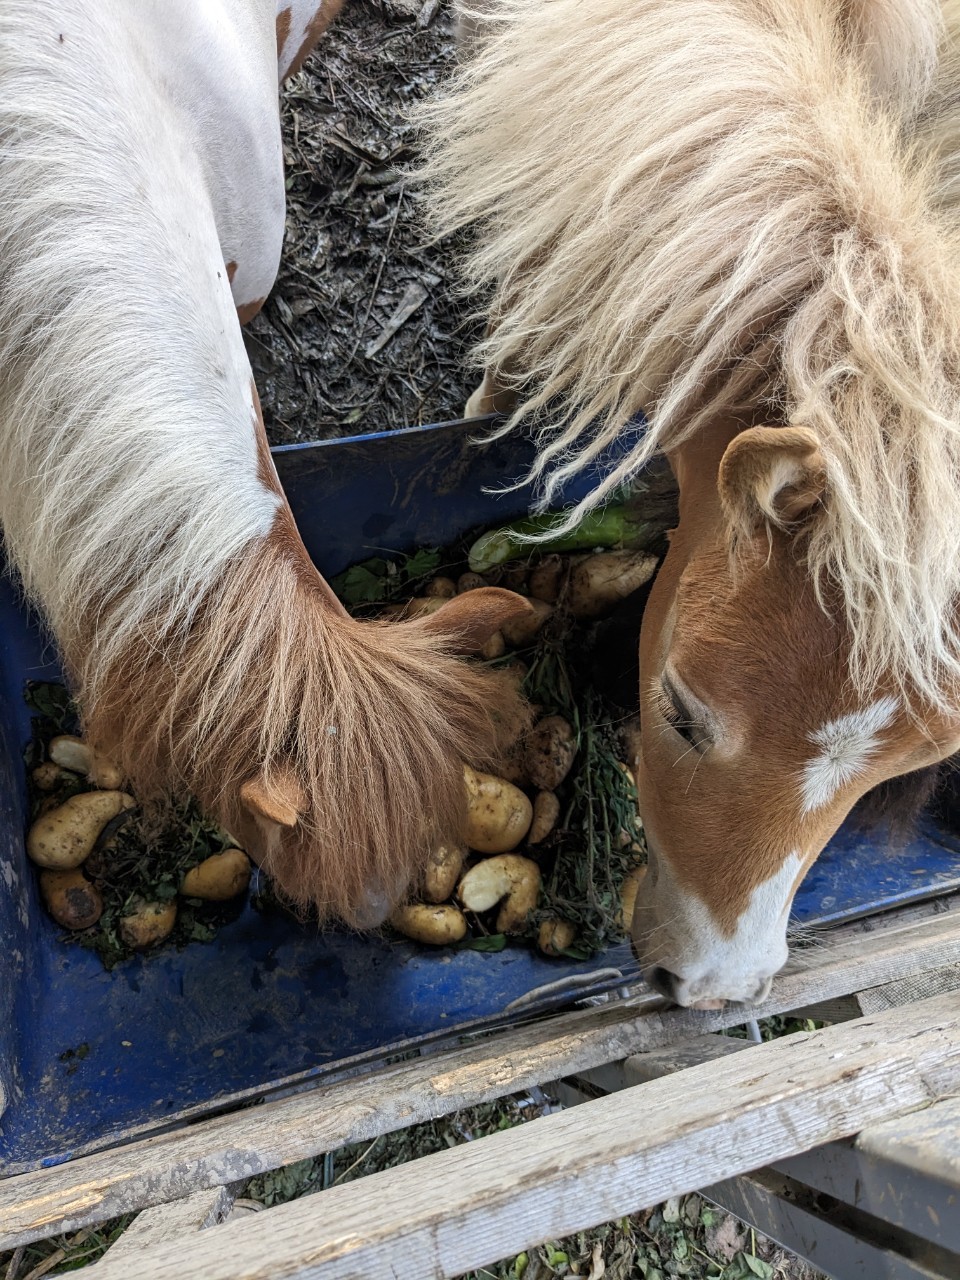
[71, 752]
[547, 579]
[628, 895]
[438, 926]
[70, 898]
[599, 582]
[498, 813]
[64, 837]
[509, 879]
[442, 872]
[147, 923]
[548, 752]
[554, 936]
[522, 631]
[47, 776]
[546, 812]
[218, 878]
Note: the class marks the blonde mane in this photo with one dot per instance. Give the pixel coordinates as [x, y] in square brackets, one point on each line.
[700, 208]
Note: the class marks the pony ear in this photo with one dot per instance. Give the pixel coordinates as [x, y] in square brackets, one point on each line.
[278, 799]
[472, 618]
[771, 475]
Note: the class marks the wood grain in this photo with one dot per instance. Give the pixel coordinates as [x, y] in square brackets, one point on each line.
[231, 1147]
[170, 1221]
[462, 1208]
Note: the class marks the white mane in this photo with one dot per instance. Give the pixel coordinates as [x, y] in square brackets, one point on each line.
[126, 415]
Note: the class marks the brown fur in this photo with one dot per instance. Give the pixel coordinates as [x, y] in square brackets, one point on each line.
[249, 309]
[373, 720]
[238, 706]
[727, 818]
[283, 29]
[326, 13]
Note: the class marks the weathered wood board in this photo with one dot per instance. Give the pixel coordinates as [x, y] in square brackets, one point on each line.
[462, 1208]
[229, 1148]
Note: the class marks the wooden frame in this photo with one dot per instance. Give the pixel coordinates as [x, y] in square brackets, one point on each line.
[658, 1137]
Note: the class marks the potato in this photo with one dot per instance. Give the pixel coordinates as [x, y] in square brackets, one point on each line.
[73, 753]
[521, 632]
[547, 579]
[46, 776]
[513, 577]
[147, 923]
[495, 647]
[70, 752]
[554, 936]
[599, 582]
[105, 774]
[442, 872]
[508, 879]
[443, 588]
[439, 926]
[70, 898]
[546, 811]
[628, 895]
[548, 752]
[498, 813]
[470, 582]
[65, 836]
[218, 878]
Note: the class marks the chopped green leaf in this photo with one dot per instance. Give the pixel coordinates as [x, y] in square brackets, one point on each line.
[495, 942]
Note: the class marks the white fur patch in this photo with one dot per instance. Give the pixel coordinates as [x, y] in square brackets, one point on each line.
[847, 745]
[709, 964]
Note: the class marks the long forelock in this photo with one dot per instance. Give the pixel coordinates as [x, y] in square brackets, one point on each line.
[374, 720]
[699, 209]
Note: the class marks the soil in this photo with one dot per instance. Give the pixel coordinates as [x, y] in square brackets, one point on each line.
[361, 332]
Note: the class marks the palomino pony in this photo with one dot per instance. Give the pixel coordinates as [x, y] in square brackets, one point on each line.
[737, 217]
[142, 209]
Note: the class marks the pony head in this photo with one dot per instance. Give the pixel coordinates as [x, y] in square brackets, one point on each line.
[755, 741]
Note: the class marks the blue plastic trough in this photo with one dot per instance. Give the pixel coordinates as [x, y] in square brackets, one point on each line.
[267, 1002]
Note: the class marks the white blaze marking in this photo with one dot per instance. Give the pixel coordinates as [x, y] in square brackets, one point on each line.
[710, 964]
[847, 745]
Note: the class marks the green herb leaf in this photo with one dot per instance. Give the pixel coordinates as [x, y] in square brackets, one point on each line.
[421, 563]
[364, 583]
[496, 942]
[757, 1265]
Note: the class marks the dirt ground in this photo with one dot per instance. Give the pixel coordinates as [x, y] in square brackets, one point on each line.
[361, 331]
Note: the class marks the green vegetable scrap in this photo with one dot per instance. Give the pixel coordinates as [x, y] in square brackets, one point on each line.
[636, 522]
[381, 581]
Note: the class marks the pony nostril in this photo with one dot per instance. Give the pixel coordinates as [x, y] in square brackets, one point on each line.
[664, 981]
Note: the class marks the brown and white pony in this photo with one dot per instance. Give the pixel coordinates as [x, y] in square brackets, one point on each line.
[737, 216]
[142, 211]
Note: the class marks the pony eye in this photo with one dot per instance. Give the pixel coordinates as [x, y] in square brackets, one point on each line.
[677, 716]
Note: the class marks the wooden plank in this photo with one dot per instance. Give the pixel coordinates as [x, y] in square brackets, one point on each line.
[640, 1067]
[890, 995]
[921, 986]
[171, 1221]
[927, 1142]
[459, 1209]
[231, 1147]
[840, 1244]
[664, 1062]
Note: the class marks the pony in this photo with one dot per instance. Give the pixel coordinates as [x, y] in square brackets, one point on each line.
[141, 221]
[737, 218]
